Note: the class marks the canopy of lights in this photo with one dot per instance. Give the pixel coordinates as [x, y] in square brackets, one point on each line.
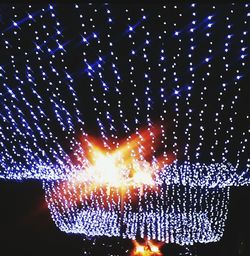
[135, 117]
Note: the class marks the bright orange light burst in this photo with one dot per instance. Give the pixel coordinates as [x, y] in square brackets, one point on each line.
[126, 165]
[147, 249]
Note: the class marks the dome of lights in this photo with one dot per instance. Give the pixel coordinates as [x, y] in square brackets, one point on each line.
[135, 117]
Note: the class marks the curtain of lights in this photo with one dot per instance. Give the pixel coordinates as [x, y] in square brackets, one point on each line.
[135, 117]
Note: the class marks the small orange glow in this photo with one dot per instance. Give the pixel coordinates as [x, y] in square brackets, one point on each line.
[147, 249]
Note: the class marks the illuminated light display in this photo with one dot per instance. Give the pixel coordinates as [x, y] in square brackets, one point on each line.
[134, 131]
[163, 212]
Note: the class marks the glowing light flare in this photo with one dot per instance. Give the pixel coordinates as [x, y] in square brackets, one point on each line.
[127, 165]
[105, 170]
[147, 249]
[115, 170]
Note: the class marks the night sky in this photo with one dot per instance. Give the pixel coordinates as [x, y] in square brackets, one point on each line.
[107, 70]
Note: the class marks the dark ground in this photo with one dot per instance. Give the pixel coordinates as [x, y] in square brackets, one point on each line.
[28, 230]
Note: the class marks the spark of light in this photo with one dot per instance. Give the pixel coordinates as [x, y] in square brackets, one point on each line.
[123, 166]
[147, 249]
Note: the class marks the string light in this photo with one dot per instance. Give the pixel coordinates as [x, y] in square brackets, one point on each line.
[174, 97]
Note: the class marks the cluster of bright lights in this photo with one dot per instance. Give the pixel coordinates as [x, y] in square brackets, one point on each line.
[164, 208]
[172, 128]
